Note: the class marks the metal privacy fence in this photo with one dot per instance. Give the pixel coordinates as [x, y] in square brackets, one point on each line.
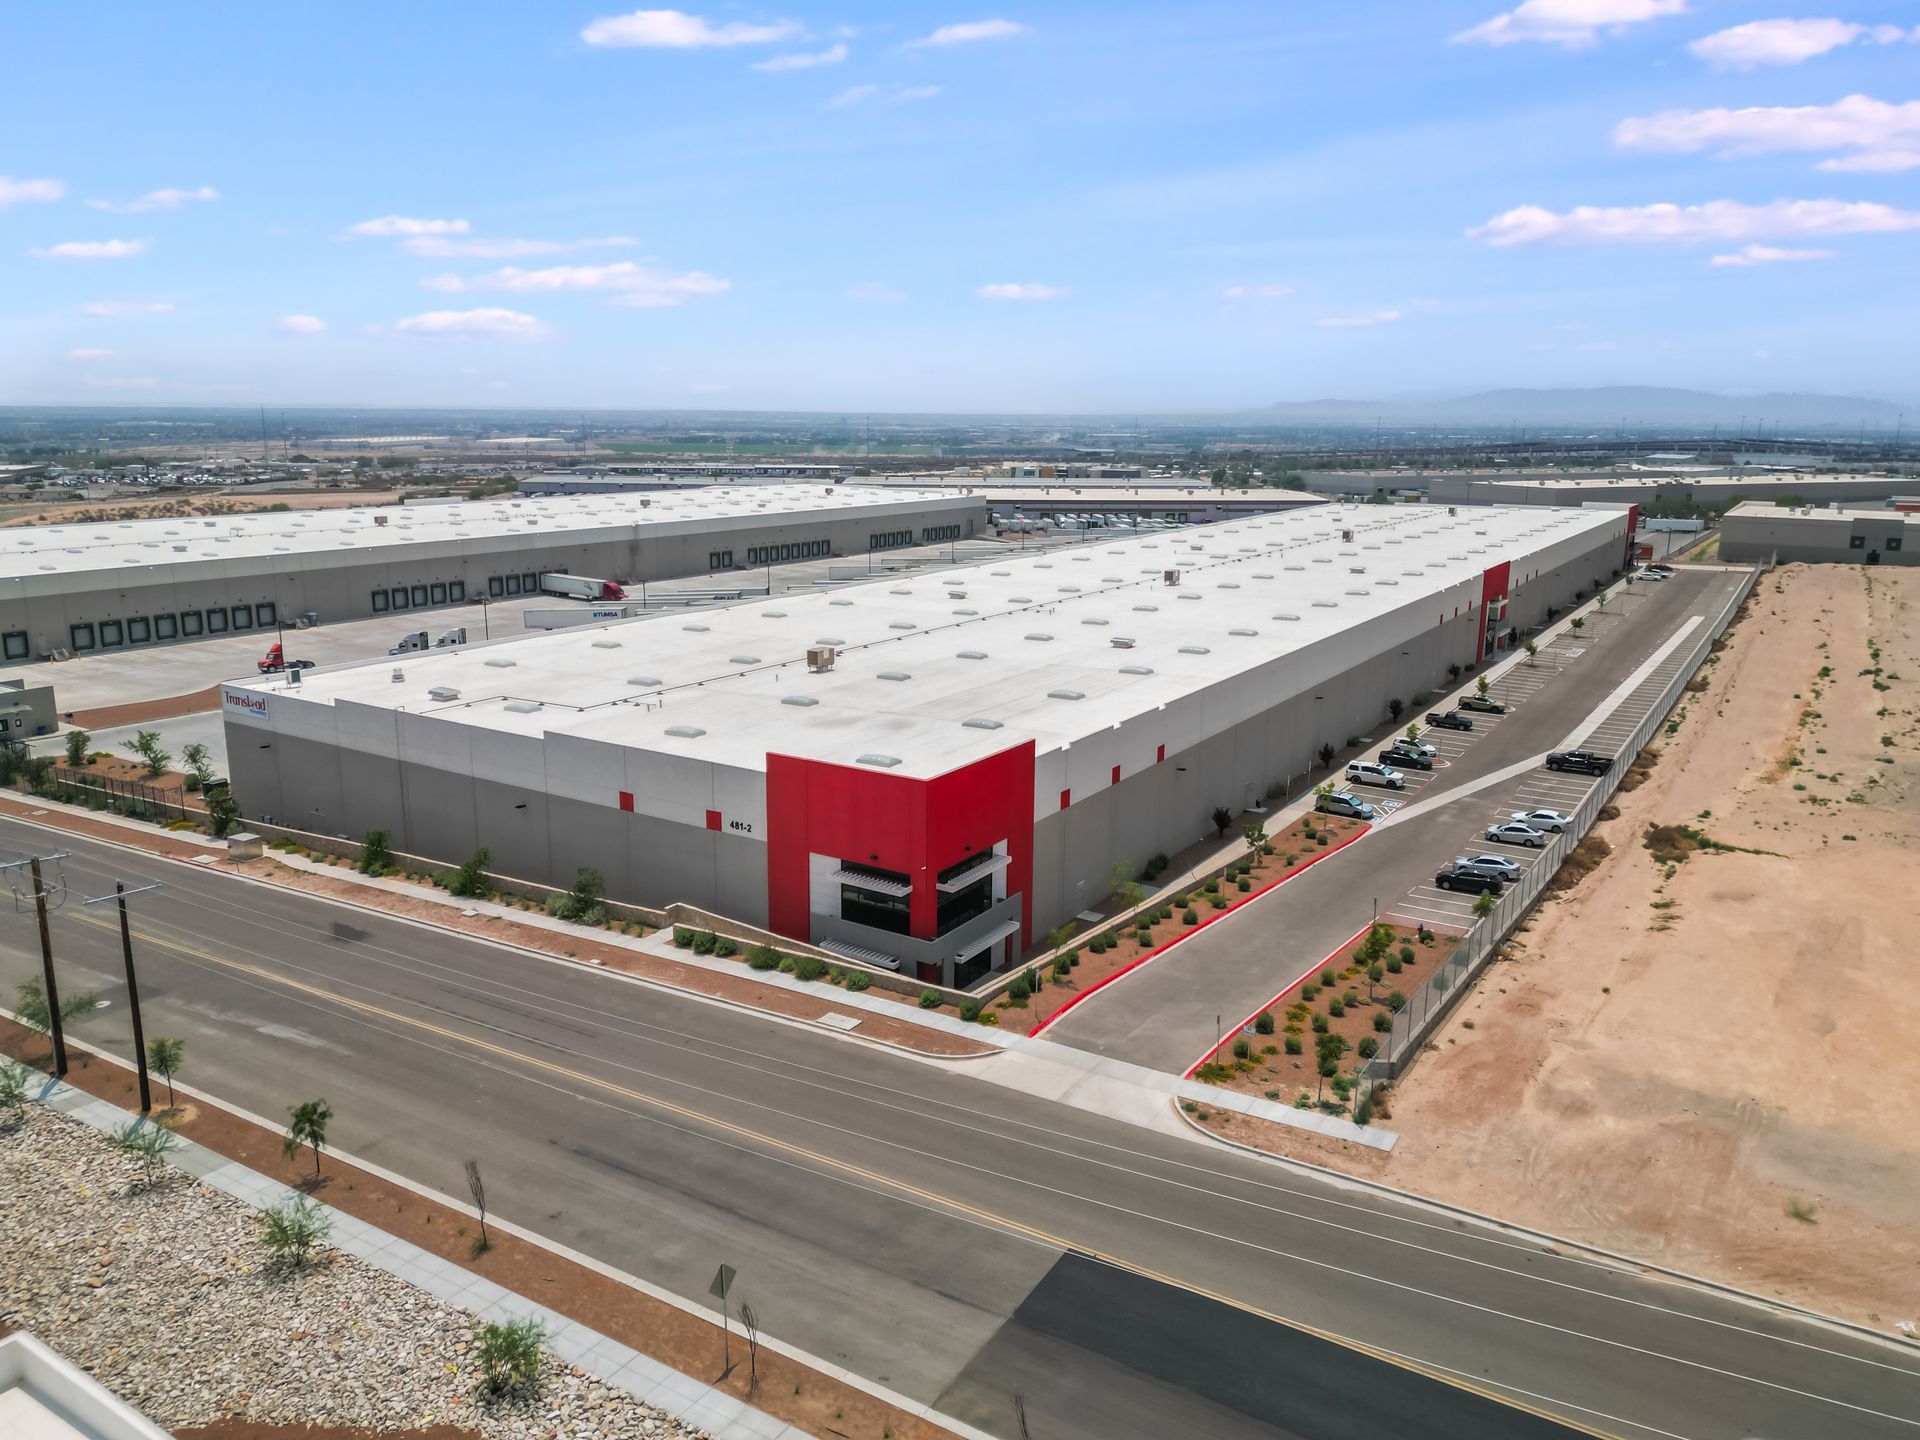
[1429, 1004]
[123, 795]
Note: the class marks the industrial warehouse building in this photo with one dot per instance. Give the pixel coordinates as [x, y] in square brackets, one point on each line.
[81, 588]
[966, 766]
[1710, 489]
[1847, 537]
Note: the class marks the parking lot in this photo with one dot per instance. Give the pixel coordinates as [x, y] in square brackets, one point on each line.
[1587, 688]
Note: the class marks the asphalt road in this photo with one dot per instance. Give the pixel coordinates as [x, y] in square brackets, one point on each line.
[910, 1223]
[1174, 1009]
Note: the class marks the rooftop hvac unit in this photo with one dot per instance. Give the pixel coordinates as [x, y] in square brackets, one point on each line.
[1172, 577]
[820, 657]
[443, 692]
[379, 519]
[398, 675]
[1453, 510]
[1347, 535]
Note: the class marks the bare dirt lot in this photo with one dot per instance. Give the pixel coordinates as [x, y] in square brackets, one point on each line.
[1704, 1053]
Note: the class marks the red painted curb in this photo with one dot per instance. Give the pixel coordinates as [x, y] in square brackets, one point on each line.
[1298, 980]
[1158, 951]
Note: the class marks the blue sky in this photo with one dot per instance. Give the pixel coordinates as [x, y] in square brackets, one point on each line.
[1091, 207]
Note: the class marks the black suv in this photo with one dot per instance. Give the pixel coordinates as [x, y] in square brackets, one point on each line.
[1581, 762]
[1484, 705]
[1448, 720]
[1406, 755]
[1453, 878]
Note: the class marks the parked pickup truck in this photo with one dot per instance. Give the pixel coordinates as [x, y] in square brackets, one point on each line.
[1471, 882]
[1406, 755]
[1340, 802]
[1448, 720]
[1580, 762]
[1483, 704]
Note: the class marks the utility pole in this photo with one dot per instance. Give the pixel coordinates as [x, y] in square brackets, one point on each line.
[46, 962]
[119, 896]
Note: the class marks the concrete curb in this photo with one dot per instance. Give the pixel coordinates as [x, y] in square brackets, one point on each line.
[779, 1430]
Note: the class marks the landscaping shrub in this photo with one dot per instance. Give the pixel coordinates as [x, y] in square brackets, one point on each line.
[1098, 945]
[470, 880]
[1309, 990]
[1018, 990]
[704, 941]
[1142, 938]
[1406, 954]
[1368, 1047]
[1062, 964]
[760, 957]
[1336, 1007]
[1382, 1021]
[1326, 979]
[970, 1010]
[1181, 902]
[557, 906]
[808, 967]
[724, 947]
[929, 999]
[1292, 1043]
[1323, 839]
[1218, 902]
[1072, 957]
[1243, 884]
[1212, 887]
[1395, 964]
[1292, 858]
[376, 853]
[1396, 1002]
[1189, 918]
[1319, 1024]
[858, 980]
[1263, 1022]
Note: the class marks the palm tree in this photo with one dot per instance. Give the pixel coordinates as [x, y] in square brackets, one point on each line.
[307, 1126]
[163, 1058]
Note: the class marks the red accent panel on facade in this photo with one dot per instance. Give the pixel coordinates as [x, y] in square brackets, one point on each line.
[713, 819]
[897, 822]
[1493, 586]
[1160, 754]
[1116, 774]
[626, 801]
[1633, 528]
[1066, 798]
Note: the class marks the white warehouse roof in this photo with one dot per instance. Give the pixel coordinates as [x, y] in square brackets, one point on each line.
[945, 667]
[28, 552]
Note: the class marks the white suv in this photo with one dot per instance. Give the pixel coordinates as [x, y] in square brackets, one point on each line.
[1365, 772]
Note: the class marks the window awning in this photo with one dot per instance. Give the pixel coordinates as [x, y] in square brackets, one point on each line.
[860, 953]
[973, 872]
[992, 937]
[872, 882]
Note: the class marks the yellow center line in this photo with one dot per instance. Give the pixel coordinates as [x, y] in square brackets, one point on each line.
[903, 1187]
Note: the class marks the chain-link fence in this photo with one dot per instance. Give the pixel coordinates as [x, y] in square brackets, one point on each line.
[1439, 992]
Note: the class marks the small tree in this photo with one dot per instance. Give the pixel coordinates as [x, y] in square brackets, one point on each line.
[31, 1010]
[155, 756]
[750, 1322]
[1578, 623]
[307, 1126]
[290, 1231]
[1396, 707]
[376, 853]
[1327, 752]
[13, 1088]
[477, 1188]
[1482, 685]
[163, 1059]
[1532, 650]
[77, 747]
[470, 880]
[1128, 890]
[223, 813]
[1058, 936]
[1255, 834]
[510, 1354]
[145, 1141]
[199, 762]
[1222, 817]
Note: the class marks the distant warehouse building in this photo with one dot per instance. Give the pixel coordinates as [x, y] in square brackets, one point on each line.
[925, 773]
[1707, 489]
[80, 588]
[1847, 537]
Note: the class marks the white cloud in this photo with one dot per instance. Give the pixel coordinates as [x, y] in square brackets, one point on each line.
[1029, 290]
[485, 323]
[1690, 224]
[17, 192]
[129, 382]
[877, 293]
[1788, 42]
[402, 226]
[803, 60]
[91, 250]
[677, 30]
[300, 324]
[1573, 24]
[967, 32]
[157, 200]
[640, 286]
[85, 353]
[1257, 292]
[1768, 255]
[441, 247]
[119, 309]
[882, 95]
[1356, 322]
[1869, 134]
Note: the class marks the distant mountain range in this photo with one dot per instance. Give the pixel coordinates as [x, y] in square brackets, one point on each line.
[1634, 406]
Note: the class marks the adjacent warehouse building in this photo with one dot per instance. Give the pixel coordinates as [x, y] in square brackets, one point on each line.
[926, 774]
[1706, 488]
[1848, 537]
[80, 588]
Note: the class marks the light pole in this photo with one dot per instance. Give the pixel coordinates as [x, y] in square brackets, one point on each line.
[119, 897]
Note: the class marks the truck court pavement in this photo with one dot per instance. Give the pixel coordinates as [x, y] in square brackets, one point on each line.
[956, 1242]
[1171, 1011]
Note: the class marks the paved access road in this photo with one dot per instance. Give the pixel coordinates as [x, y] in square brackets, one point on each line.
[1171, 1011]
[953, 1240]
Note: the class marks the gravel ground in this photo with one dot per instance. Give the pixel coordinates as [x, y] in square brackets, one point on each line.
[165, 1296]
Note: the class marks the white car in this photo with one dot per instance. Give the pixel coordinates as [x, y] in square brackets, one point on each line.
[1649, 575]
[1514, 833]
[1365, 772]
[1552, 821]
[1422, 746]
[1497, 866]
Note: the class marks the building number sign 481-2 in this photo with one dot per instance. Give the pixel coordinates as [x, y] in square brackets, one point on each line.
[744, 827]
